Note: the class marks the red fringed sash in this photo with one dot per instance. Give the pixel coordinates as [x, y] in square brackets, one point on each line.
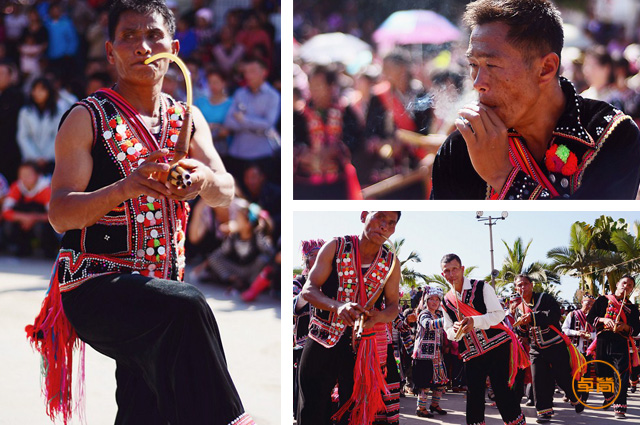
[368, 381]
[519, 358]
[576, 359]
[55, 339]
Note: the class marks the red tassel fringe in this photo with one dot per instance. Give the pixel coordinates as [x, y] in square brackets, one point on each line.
[369, 385]
[55, 339]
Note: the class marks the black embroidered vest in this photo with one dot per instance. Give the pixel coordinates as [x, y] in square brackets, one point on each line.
[142, 235]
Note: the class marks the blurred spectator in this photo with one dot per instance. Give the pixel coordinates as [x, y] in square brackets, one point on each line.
[14, 24]
[97, 35]
[257, 189]
[204, 233]
[253, 34]
[30, 55]
[96, 81]
[325, 133]
[173, 84]
[252, 117]
[63, 40]
[190, 14]
[24, 211]
[215, 108]
[227, 52]
[38, 125]
[186, 36]
[598, 73]
[395, 104]
[244, 252]
[10, 103]
[36, 31]
[205, 34]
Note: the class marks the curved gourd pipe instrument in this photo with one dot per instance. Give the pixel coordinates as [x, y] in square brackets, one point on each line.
[177, 175]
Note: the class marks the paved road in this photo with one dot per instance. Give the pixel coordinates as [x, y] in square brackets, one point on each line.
[455, 404]
[251, 335]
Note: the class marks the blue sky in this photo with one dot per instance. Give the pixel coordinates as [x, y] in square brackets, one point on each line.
[435, 233]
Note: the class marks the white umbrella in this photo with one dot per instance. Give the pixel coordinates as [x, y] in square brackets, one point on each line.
[324, 49]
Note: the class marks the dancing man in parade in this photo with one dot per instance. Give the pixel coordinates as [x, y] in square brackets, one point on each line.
[310, 251]
[473, 316]
[354, 284]
[616, 321]
[553, 357]
[119, 273]
[581, 333]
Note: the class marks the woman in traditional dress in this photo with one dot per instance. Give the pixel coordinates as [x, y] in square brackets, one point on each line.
[429, 371]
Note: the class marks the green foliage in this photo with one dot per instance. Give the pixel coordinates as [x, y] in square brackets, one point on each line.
[599, 254]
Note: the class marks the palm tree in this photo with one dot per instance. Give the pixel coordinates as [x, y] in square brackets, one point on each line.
[582, 258]
[408, 275]
[514, 264]
[628, 248]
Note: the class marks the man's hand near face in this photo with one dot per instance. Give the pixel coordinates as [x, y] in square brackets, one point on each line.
[487, 143]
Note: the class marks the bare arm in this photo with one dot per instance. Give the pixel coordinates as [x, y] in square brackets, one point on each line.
[210, 179]
[319, 274]
[70, 206]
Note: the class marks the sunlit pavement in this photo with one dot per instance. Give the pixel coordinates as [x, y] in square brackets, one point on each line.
[250, 334]
[455, 404]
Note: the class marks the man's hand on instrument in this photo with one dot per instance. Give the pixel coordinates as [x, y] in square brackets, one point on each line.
[487, 143]
[199, 176]
[608, 323]
[349, 312]
[525, 319]
[144, 180]
[370, 318]
[465, 324]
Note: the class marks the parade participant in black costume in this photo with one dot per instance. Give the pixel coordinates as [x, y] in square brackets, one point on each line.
[581, 332]
[538, 317]
[310, 250]
[335, 291]
[473, 316]
[616, 321]
[119, 272]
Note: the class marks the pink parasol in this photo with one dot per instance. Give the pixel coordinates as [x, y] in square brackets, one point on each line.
[416, 27]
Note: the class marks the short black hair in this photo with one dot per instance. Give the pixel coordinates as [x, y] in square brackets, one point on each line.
[535, 26]
[143, 7]
[450, 257]
[627, 276]
[523, 276]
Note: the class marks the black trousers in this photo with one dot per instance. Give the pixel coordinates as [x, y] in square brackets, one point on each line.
[616, 353]
[495, 365]
[548, 366]
[164, 338]
[320, 369]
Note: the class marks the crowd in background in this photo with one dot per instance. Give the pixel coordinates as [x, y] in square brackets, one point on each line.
[52, 53]
[601, 57]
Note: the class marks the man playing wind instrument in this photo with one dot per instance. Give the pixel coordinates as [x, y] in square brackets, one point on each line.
[354, 278]
[119, 272]
[473, 316]
[616, 321]
[553, 357]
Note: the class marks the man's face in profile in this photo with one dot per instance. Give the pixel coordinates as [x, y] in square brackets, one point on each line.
[503, 79]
